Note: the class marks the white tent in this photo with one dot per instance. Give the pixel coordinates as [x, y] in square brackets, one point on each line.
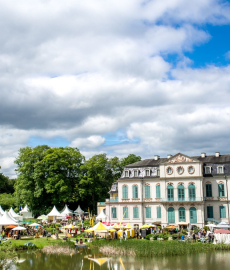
[26, 212]
[223, 225]
[66, 211]
[7, 220]
[102, 216]
[79, 211]
[14, 215]
[53, 214]
[1, 210]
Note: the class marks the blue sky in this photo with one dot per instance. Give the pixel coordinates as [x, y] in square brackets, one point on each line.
[117, 77]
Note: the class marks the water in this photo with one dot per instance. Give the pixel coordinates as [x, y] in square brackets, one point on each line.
[90, 261]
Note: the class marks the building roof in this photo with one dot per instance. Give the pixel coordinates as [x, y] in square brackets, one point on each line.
[207, 159]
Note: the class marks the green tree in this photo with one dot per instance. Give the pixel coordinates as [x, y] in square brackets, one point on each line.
[96, 180]
[131, 158]
[6, 185]
[47, 176]
[7, 201]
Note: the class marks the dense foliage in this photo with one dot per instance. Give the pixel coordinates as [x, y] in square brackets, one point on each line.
[57, 176]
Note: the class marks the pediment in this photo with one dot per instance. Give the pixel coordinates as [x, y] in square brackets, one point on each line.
[181, 158]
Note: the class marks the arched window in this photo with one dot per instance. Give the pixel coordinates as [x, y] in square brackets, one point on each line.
[170, 193]
[180, 192]
[135, 192]
[147, 192]
[192, 192]
[124, 192]
[193, 215]
[171, 215]
[182, 216]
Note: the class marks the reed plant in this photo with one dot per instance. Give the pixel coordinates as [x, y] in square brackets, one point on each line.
[145, 248]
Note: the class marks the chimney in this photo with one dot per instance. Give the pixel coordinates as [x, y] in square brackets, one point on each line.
[156, 157]
[169, 156]
[203, 155]
[217, 154]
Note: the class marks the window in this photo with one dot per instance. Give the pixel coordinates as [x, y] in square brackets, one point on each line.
[221, 190]
[191, 169]
[171, 215]
[170, 193]
[220, 169]
[135, 173]
[126, 173]
[124, 192]
[147, 172]
[193, 215]
[148, 212]
[208, 170]
[182, 214]
[158, 212]
[208, 190]
[222, 212]
[169, 170]
[180, 191]
[158, 172]
[158, 192]
[114, 212]
[135, 192]
[135, 212]
[209, 211]
[147, 192]
[192, 192]
[180, 170]
[125, 212]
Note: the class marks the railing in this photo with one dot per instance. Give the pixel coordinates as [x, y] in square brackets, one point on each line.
[113, 200]
[197, 199]
[102, 203]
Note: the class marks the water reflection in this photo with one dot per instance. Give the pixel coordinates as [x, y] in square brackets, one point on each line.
[87, 260]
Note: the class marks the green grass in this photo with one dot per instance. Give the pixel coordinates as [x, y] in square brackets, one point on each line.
[145, 248]
[39, 242]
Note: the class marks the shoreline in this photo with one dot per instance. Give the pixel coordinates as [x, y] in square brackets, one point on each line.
[145, 248]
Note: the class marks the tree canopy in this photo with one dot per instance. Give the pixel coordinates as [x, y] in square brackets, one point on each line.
[57, 176]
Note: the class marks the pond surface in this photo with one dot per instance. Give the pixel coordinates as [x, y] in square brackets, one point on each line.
[86, 259]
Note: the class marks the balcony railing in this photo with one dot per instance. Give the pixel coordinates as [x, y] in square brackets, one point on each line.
[113, 200]
[197, 199]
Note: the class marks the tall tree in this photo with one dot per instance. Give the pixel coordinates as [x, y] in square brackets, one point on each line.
[96, 180]
[47, 176]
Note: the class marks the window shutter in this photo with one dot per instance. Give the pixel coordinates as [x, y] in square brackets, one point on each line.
[158, 192]
[158, 212]
[222, 212]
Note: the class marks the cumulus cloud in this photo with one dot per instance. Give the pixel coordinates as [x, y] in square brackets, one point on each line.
[85, 69]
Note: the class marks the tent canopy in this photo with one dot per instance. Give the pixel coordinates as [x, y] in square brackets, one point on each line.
[79, 211]
[1, 210]
[14, 215]
[25, 209]
[54, 212]
[66, 211]
[6, 219]
[99, 227]
[19, 228]
[223, 225]
[102, 216]
[221, 231]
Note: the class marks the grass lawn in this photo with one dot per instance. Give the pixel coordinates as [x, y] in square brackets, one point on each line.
[39, 242]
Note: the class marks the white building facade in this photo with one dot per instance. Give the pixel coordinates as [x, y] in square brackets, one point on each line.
[177, 190]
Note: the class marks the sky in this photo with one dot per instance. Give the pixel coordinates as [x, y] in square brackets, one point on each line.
[147, 77]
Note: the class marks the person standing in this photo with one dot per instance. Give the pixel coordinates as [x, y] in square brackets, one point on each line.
[194, 237]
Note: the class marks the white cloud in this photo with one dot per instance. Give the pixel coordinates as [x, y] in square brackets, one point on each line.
[81, 70]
